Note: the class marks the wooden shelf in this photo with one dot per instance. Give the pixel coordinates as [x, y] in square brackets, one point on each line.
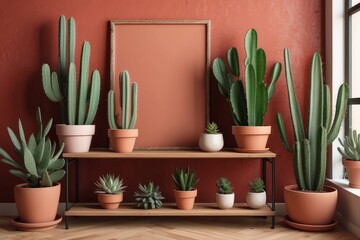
[168, 209]
[169, 154]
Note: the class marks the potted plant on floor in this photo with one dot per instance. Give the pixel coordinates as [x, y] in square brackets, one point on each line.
[211, 140]
[185, 193]
[309, 201]
[248, 107]
[123, 136]
[77, 110]
[148, 196]
[351, 153]
[225, 196]
[110, 191]
[256, 197]
[40, 168]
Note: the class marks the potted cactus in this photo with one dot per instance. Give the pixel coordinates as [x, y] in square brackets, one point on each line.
[110, 191]
[78, 109]
[256, 197]
[211, 140]
[225, 196]
[309, 201]
[351, 153]
[248, 106]
[40, 168]
[185, 193]
[123, 136]
[148, 196]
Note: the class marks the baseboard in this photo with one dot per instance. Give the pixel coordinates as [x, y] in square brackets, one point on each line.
[347, 224]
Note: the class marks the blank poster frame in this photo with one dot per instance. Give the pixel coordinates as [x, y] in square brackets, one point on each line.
[114, 24]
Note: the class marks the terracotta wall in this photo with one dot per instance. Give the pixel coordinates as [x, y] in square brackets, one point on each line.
[29, 38]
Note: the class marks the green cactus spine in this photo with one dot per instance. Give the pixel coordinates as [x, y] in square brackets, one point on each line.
[128, 119]
[309, 152]
[249, 105]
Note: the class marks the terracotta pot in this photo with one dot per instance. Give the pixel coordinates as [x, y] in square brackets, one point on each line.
[110, 201]
[123, 140]
[251, 137]
[225, 201]
[185, 199]
[256, 200]
[37, 205]
[211, 142]
[310, 208]
[77, 138]
[353, 172]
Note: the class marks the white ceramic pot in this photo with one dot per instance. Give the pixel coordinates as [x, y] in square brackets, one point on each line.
[77, 138]
[256, 200]
[225, 201]
[211, 142]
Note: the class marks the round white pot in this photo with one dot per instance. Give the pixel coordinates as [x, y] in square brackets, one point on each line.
[225, 201]
[256, 200]
[77, 138]
[211, 142]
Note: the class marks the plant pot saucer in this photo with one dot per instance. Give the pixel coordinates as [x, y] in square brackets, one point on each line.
[35, 227]
[310, 228]
[251, 150]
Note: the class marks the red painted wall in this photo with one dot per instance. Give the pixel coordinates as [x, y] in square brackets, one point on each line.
[29, 38]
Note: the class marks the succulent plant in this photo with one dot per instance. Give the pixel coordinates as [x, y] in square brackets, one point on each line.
[127, 122]
[257, 185]
[212, 128]
[247, 109]
[40, 165]
[309, 151]
[224, 186]
[351, 146]
[185, 180]
[109, 184]
[61, 87]
[148, 196]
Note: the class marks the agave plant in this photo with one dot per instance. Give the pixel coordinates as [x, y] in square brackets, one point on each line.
[109, 184]
[212, 128]
[350, 146]
[40, 165]
[224, 186]
[249, 105]
[148, 196]
[185, 180]
[309, 151]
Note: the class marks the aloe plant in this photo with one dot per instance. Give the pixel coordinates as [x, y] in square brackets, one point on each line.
[127, 120]
[61, 87]
[40, 165]
[249, 105]
[185, 180]
[109, 184]
[309, 151]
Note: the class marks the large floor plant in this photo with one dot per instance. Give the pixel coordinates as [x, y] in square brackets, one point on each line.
[309, 148]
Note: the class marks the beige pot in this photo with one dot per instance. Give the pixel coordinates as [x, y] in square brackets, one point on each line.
[123, 140]
[77, 138]
[251, 138]
[37, 205]
[110, 201]
[185, 199]
[211, 142]
[225, 201]
[310, 208]
[353, 172]
[256, 200]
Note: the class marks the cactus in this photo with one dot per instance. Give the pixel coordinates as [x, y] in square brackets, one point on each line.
[247, 109]
[61, 87]
[212, 128]
[309, 152]
[109, 184]
[148, 196]
[257, 185]
[350, 146]
[127, 121]
[185, 180]
[224, 186]
[41, 166]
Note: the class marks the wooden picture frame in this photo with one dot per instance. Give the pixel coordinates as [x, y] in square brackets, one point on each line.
[170, 61]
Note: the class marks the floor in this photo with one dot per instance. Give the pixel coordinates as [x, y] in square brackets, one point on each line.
[168, 228]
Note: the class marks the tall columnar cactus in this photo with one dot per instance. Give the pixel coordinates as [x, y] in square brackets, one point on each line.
[128, 119]
[247, 109]
[61, 87]
[309, 151]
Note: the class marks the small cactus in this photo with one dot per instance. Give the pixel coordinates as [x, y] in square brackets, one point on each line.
[212, 128]
[148, 196]
[224, 186]
[257, 185]
[109, 184]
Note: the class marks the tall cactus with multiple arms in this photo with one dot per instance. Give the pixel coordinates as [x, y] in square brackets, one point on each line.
[61, 87]
[41, 166]
[127, 120]
[249, 105]
[309, 152]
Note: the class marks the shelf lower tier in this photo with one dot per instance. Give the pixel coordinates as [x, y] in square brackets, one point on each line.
[168, 209]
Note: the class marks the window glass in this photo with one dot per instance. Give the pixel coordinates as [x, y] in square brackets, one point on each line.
[355, 56]
[354, 115]
[354, 2]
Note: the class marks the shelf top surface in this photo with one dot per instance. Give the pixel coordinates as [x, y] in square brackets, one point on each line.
[168, 153]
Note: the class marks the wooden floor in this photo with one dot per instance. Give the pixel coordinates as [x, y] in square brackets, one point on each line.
[166, 228]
